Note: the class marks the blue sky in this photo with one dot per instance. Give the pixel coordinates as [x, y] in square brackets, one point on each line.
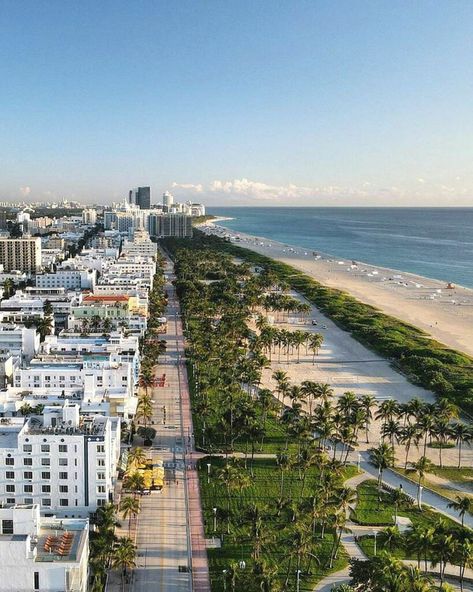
[328, 102]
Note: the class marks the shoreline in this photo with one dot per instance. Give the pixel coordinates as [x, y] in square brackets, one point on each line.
[444, 313]
[329, 256]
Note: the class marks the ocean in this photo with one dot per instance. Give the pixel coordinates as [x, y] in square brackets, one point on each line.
[432, 242]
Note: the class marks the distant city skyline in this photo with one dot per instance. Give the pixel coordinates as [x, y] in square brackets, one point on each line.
[239, 103]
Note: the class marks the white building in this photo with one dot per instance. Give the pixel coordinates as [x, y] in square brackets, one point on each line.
[62, 461]
[70, 279]
[45, 554]
[20, 341]
[89, 216]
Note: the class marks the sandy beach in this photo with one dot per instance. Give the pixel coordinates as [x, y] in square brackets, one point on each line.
[445, 313]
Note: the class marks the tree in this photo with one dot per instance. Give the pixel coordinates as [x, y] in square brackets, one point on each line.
[315, 343]
[462, 505]
[463, 435]
[397, 497]
[148, 434]
[137, 456]
[130, 507]
[382, 458]
[124, 555]
[421, 467]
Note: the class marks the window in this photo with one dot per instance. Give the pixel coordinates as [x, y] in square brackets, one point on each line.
[45, 448]
[45, 488]
[100, 476]
[100, 502]
[101, 489]
[47, 378]
[63, 475]
[7, 526]
[28, 475]
[63, 489]
[10, 488]
[28, 501]
[27, 489]
[101, 462]
[10, 461]
[63, 462]
[28, 462]
[27, 448]
[10, 475]
[63, 502]
[45, 462]
[36, 580]
[45, 475]
[10, 500]
[62, 447]
[46, 501]
[100, 448]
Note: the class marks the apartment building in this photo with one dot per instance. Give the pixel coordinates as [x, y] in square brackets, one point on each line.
[69, 279]
[39, 553]
[60, 460]
[22, 254]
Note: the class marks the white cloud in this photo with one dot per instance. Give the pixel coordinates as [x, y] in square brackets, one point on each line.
[25, 191]
[420, 180]
[259, 191]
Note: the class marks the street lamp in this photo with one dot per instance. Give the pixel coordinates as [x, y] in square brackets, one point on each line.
[224, 579]
[359, 461]
[420, 496]
[298, 580]
[215, 519]
[375, 534]
[208, 473]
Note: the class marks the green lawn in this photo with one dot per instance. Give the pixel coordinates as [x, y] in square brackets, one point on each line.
[370, 511]
[265, 492]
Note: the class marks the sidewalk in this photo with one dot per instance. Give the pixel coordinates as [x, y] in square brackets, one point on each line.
[199, 562]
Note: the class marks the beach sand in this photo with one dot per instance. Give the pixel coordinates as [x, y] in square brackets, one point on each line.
[445, 314]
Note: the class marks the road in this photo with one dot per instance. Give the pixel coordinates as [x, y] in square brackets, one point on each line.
[163, 540]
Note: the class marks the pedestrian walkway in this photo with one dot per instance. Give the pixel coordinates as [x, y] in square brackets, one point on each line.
[198, 551]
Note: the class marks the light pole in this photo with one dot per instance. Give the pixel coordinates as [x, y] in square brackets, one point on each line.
[224, 579]
[375, 534]
[215, 519]
[420, 496]
[208, 473]
[359, 461]
[298, 580]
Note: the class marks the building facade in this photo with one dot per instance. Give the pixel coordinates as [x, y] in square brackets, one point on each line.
[22, 254]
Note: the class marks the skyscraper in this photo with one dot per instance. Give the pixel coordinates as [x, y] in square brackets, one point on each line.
[141, 197]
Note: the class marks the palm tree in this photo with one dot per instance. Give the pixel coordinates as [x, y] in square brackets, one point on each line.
[124, 555]
[281, 379]
[397, 497]
[137, 456]
[315, 343]
[382, 458]
[419, 541]
[324, 392]
[367, 402]
[130, 507]
[309, 389]
[462, 505]
[284, 463]
[392, 536]
[465, 553]
[421, 467]
[463, 435]
[442, 433]
[407, 436]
